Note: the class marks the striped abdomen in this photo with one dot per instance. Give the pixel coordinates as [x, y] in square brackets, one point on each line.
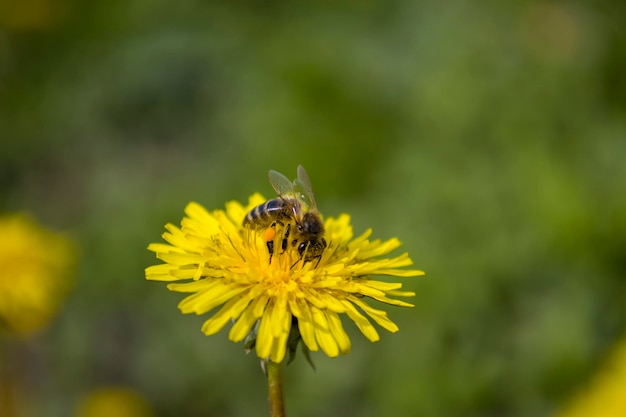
[271, 211]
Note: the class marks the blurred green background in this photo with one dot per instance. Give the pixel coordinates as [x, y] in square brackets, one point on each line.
[489, 137]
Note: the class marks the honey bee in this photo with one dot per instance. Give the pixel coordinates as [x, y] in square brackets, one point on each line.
[296, 210]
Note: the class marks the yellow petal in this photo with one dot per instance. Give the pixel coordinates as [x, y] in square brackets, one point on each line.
[228, 311]
[279, 348]
[379, 316]
[162, 247]
[264, 339]
[206, 300]
[323, 335]
[306, 327]
[243, 326]
[361, 322]
[338, 230]
[339, 334]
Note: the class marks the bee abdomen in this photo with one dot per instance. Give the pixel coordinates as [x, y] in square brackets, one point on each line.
[265, 214]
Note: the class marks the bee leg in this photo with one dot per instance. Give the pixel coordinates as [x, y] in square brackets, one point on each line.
[296, 263]
[270, 247]
[286, 238]
[323, 245]
[268, 237]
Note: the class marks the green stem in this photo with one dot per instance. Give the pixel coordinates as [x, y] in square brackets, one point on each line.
[275, 382]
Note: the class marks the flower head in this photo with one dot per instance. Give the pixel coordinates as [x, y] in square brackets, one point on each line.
[35, 271]
[115, 401]
[276, 295]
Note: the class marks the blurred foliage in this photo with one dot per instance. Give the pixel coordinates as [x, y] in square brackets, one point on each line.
[490, 138]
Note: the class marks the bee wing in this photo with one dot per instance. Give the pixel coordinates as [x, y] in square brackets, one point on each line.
[304, 184]
[281, 184]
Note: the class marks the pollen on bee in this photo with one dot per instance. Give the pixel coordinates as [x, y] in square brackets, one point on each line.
[269, 234]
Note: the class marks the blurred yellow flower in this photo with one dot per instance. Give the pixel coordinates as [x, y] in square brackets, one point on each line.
[35, 273]
[114, 402]
[606, 394]
[276, 300]
[33, 15]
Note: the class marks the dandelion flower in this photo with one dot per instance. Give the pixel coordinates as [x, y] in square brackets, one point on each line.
[35, 271]
[114, 401]
[227, 267]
